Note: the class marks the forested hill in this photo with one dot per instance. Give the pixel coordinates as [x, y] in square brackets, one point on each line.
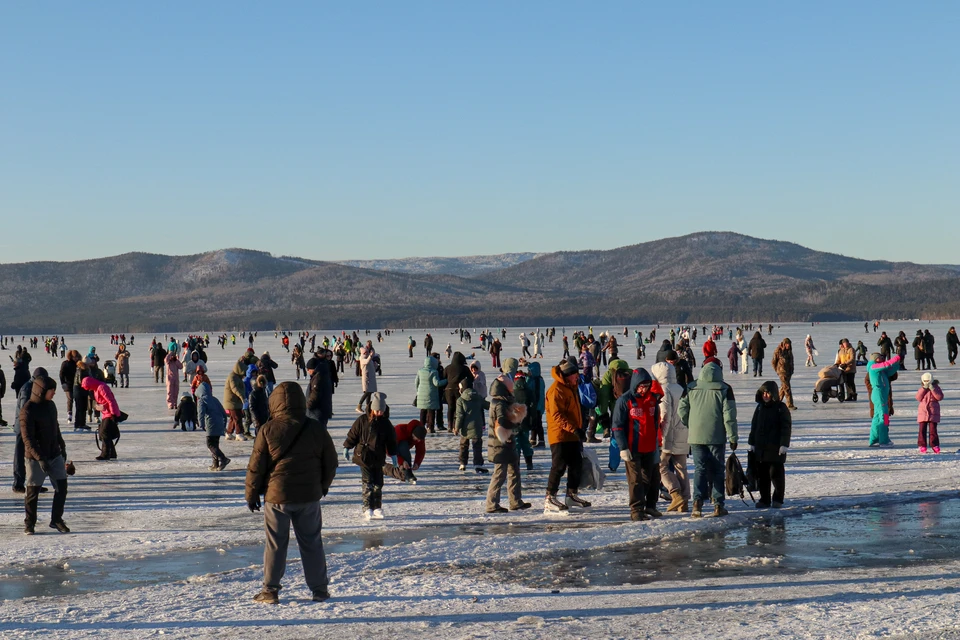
[703, 277]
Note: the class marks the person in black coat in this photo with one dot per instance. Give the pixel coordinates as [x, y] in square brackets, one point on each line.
[665, 349]
[259, 402]
[769, 440]
[319, 392]
[928, 349]
[3, 391]
[456, 371]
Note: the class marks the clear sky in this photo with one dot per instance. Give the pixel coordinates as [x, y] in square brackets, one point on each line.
[376, 130]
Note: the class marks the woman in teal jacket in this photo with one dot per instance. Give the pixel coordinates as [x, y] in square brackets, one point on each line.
[428, 385]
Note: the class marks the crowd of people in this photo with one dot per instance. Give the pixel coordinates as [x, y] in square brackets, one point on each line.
[653, 419]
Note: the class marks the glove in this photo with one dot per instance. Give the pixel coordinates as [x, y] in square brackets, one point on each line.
[733, 446]
[751, 448]
[45, 465]
[626, 456]
[254, 504]
[346, 455]
[783, 451]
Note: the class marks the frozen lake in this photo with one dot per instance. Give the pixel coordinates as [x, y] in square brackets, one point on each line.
[160, 544]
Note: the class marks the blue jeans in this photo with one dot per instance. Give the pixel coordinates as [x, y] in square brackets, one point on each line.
[708, 469]
[758, 366]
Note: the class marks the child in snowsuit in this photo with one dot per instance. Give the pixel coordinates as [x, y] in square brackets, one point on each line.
[213, 419]
[769, 440]
[928, 412]
[469, 422]
[371, 439]
[186, 415]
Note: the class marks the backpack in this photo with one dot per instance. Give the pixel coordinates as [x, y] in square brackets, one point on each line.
[588, 393]
[413, 343]
[735, 481]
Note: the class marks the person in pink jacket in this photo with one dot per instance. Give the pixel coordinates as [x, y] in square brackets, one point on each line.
[174, 366]
[110, 413]
[928, 412]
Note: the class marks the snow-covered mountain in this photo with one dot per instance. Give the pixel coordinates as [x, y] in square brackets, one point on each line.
[465, 266]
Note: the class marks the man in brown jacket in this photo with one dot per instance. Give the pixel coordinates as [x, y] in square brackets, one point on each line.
[563, 430]
[293, 464]
[783, 365]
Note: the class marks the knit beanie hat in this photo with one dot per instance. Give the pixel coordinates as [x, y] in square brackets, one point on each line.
[926, 379]
[378, 402]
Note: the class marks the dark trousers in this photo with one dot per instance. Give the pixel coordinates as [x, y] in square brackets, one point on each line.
[758, 366]
[213, 445]
[107, 426]
[372, 480]
[934, 436]
[536, 427]
[850, 380]
[952, 354]
[643, 481]
[428, 418]
[19, 468]
[477, 445]
[768, 472]
[80, 410]
[367, 395]
[32, 499]
[567, 457]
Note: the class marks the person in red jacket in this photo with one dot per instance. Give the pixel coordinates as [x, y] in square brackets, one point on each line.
[710, 353]
[410, 435]
[636, 425]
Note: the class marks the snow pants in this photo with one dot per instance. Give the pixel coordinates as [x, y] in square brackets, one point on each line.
[768, 472]
[567, 457]
[673, 474]
[643, 481]
[465, 446]
[922, 436]
[880, 427]
[506, 468]
[372, 481]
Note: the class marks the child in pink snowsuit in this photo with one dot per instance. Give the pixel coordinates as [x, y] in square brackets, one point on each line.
[928, 412]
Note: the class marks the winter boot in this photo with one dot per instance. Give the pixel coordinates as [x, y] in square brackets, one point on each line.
[463, 467]
[267, 596]
[676, 501]
[529, 460]
[223, 463]
[552, 505]
[719, 511]
[481, 470]
[653, 512]
[697, 509]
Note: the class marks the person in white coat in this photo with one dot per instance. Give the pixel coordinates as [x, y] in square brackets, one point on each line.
[673, 453]
[744, 354]
[368, 376]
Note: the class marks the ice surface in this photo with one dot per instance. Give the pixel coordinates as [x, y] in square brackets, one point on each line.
[160, 498]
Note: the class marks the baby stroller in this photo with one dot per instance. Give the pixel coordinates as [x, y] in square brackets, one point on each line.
[829, 385]
[110, 373]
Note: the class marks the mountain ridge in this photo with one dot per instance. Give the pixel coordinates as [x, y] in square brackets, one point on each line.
[701, 277]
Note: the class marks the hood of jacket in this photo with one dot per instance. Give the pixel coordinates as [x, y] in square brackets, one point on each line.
[240, 368]
[90, 383]
[42, 384]
[458, 359]
[665, 373]
[203, 390]
[534, 369]
[639, 377]
[711, 373]
[772, 388]
[251, 372]
[430, 363]
[499, 389]
[468, 394]
[615, 366]
[287, 400]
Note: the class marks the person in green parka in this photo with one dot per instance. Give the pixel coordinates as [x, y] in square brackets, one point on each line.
[428, 385]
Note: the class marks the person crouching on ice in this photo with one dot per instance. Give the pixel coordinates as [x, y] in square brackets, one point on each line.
[410, 435]
[110, 415]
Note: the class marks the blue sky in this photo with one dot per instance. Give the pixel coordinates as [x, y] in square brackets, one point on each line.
[377, 130]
